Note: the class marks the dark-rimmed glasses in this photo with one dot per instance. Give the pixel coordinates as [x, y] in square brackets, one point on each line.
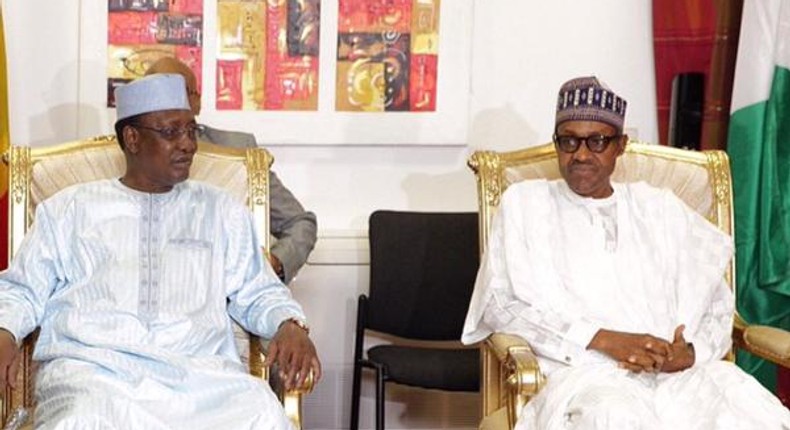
[595, 143]
[175, 133]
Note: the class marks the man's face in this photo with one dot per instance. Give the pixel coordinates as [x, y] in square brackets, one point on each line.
[586, 172]
[161, 146]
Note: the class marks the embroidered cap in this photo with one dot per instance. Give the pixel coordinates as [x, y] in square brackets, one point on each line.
[588, 99]
[157, 92]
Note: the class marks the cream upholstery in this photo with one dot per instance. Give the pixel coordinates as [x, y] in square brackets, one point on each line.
[511, 375]
[768, 342]
[38, 173]
[52, 174]
[686, 173]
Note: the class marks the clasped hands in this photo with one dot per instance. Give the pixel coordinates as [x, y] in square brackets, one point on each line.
[645, 352]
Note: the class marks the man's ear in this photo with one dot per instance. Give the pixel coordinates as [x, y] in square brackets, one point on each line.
[622, 141]
[131, 139]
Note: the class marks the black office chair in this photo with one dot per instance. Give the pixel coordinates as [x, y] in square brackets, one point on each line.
[422, 272]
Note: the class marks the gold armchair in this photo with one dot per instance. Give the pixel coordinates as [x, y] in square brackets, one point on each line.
[511, 375]
[37, 173]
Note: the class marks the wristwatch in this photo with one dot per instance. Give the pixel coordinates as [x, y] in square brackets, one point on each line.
[299, 323]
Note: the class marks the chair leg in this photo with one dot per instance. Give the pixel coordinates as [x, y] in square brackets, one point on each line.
[362, 307]
[379, 398]
[355, 396]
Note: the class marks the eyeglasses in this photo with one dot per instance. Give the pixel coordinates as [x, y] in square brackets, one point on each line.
[175, 133]
[596, 143]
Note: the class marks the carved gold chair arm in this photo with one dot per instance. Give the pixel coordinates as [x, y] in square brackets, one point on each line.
[19, 420]
[770, 343]
[521, 376]
[290, 399]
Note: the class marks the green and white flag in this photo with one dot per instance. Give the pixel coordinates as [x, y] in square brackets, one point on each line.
[759, 150]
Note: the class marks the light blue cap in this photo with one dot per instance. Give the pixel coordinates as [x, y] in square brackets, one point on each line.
[157, 92]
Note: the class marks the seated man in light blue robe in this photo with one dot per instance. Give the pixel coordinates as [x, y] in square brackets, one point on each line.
[135, 282]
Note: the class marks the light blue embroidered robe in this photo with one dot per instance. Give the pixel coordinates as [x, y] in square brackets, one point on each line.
[134, 294]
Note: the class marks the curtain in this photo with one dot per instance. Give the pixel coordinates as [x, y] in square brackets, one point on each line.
[697, 36]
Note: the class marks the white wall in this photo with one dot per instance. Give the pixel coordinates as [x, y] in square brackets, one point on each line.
[522, 50]
[43, 67]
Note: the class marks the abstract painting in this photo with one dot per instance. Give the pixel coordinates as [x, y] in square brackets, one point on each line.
[387, 55]
[142, 31]
[267, 57]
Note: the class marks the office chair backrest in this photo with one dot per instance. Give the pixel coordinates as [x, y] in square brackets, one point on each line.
[422, 272]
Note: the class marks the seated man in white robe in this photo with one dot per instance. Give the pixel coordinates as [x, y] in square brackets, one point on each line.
[134, 282]
[619, 288]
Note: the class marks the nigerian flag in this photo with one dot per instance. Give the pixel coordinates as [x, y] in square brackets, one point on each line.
[759, 150]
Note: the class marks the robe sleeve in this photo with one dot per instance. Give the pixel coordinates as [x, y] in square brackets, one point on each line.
[712, 335]
[35, 272]
[706, 304]
[509, 265]
[258, 300]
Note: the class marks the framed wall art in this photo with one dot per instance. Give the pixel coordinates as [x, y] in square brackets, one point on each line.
[350, 72]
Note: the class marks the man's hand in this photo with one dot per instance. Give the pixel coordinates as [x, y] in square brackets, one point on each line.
[635, 352]
[295, 355]
[277, 265]
[682, 351]
[9, 359]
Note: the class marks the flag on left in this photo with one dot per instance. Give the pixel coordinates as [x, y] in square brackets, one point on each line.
[5, 138]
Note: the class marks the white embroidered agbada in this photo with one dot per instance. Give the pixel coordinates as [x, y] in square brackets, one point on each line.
[559, 267]
[134, 293]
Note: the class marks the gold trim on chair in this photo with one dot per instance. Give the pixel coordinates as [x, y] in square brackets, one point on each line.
[259, 162]
[519, 363]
